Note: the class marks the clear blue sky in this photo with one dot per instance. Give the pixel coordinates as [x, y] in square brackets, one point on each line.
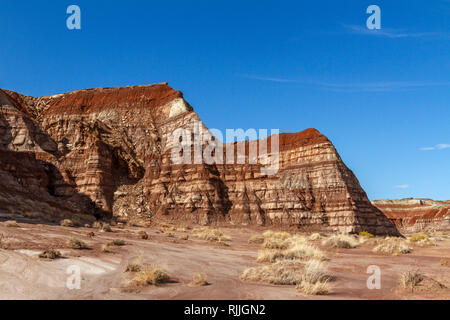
[379, 96]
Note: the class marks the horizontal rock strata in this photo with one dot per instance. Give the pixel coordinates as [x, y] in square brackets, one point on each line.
[415, 215]
[114, 147]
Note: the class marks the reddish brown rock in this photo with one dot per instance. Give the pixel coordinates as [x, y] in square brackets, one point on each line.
[114, 146]
[415, 215]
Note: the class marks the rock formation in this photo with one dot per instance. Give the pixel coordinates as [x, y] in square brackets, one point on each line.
[109, 152]
[415, 215]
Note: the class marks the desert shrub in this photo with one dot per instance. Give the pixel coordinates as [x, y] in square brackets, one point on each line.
[134, 266]
[11, 224]
[314, 237]
[256, 239]
[392, 245]
[276, 235]
[318, 288]
[421, 240]
[340, 241]
[366, 234]
[118, 243]
[315, 279]
[150, 276]
[411, 278]
[315, 271]
[143, 235]
[213, 235]
[297, 249]
[97, 225]
[50, 254]
[445, 262]
[184, 237]
[274, 243]
[199, 280]
[280, 273]
[66, 223]
[106, 228]
[418, 237]
[76, 244]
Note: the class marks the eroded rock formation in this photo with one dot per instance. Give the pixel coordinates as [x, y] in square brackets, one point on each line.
[415, 215]
[108, 152]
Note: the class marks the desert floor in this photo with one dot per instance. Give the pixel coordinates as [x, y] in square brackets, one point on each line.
[23, 275]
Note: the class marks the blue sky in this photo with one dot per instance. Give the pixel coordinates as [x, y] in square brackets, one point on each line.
[382, 97]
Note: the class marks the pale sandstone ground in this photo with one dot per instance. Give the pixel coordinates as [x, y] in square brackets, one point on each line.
[24, 276]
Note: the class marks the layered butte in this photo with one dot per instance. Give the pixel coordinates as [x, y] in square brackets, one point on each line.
[109, 152]
[414, 215]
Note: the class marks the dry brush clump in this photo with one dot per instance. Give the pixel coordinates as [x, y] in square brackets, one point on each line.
[411, 279]
[117, 243]
[421, 240]
[393, 246]
[256, 239]
[282, 272]
[212, 235]
[76, 244]
[50, 254]
[341, 241]
[11, 224]
[66, 223]
[297, 249]
[134, 266]
[199, 280]
[149, 276]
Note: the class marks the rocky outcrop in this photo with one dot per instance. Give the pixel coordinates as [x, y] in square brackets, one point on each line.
[116, 146]
[415, 215]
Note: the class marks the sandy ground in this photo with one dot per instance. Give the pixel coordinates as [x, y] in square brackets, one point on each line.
[23, 275]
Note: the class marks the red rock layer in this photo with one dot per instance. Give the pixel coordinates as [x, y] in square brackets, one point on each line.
[114, 146]
[414, 215]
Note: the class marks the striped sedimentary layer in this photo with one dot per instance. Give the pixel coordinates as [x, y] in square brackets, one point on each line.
[114, 147]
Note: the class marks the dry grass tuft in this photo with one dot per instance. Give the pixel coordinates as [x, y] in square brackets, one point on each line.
[297, 249]
[184, 237]
[411, 279]
[366, 234]
[315, 236]
[276, 235]
[275, 243]
[151, 276]
[199, 280]
[256, 239]
[50, 254]
[315, 289]
[280, 273]
[421, 240]
[134, 266]
[76, 244]
[340, 241]
[212, 235]
[118, 243]
[66, 223]
[143, 235]
[392, 245]
[11, 224]
[105, 248]
[315, 279]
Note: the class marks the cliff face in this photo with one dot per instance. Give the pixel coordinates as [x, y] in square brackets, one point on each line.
[415, 215]
[114, 147]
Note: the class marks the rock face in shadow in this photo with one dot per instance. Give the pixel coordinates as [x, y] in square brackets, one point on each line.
[415, 215]
[115, 146]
